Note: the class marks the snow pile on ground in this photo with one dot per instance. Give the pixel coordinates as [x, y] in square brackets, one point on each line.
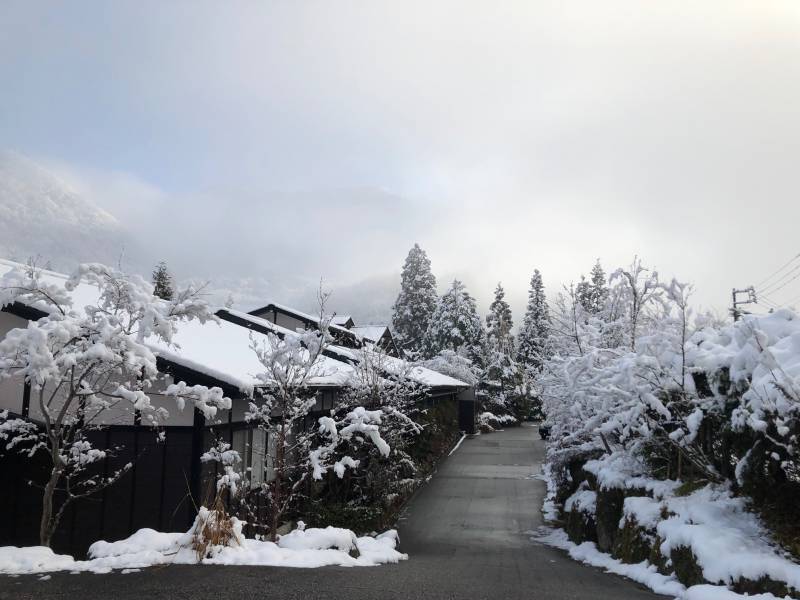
[644, 572]
[308, 548]
[491, 421]
[549, 508]
[728, 543]
[587, 552]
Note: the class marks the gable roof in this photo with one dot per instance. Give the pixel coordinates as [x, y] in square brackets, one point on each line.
[345, 321]
[339, 332]
[217, 350]
[371, 333]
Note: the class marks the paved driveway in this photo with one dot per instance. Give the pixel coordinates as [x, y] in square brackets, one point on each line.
[465, 533]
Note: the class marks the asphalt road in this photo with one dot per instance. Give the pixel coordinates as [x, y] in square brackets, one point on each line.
[465, 533]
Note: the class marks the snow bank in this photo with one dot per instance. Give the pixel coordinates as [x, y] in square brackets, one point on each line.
[308, 548]
[587, 552]
[549, 507]
[318, 539]
[728, 542]
[644, 572]
[36, 559]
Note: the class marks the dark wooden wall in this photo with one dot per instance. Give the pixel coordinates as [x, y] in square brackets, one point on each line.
[153, 494]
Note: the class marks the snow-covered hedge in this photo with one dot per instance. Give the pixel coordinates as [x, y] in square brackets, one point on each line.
[675, 420]
[671, 536]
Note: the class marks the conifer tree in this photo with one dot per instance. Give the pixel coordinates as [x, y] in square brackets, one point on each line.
[583, 293]
[501, 376]
[533, 336]
[499, 320]
[598, 289]
[455, 325]
[162, 282]
[416, 302]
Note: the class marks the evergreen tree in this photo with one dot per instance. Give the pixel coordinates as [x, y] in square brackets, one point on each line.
[583, 293]
[162, 282]
[499, 321]
[455, 325]
[533, 344]
[500, 378]
[598, 289]
[416, 302]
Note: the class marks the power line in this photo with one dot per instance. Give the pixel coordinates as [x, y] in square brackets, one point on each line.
[767, 302]
[785, 284]
[790, 261]
[771, 287]
[792, 301]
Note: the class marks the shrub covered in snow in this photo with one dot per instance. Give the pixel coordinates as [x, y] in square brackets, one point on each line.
[677, 423]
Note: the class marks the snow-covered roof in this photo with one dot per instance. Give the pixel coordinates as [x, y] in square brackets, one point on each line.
[371, 333]
[222, 351]
[84, 294]
[391, 364]
[341, 320]
[396, 365]
[303, 316]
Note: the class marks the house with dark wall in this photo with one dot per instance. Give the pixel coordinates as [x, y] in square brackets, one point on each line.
[168, 477]
[348, 343]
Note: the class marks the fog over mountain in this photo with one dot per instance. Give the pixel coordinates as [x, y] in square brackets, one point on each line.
[41, 215]
[47, 214]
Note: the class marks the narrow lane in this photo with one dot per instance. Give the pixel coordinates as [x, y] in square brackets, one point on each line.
[466, 533]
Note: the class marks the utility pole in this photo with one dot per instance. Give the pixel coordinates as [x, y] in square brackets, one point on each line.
[751, 299]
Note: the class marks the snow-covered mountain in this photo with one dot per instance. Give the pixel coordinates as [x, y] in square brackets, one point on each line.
[40, 215]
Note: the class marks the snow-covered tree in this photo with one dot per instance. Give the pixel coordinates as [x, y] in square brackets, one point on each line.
[532, 340]
[383, 389]
[501, 376]
[583, 292]
[633, 290]
[499, 321]
[598, 290]
[282, 406]
[455, 325]
[453, 364]
[162, 282]
[416, 302]
[86, 364]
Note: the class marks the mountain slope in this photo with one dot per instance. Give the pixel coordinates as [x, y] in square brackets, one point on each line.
[40, 215]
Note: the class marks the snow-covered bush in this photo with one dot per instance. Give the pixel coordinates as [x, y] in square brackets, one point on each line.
[691, 398]
[86, 365]
[372, 428]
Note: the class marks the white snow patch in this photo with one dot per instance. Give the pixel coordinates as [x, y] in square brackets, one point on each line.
[587, 552]
[644, 572]
[301, 548]
[463, 435]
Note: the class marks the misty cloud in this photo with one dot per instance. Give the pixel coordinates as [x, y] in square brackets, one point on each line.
[289, 142]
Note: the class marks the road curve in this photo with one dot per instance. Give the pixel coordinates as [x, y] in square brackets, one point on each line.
[465, 533]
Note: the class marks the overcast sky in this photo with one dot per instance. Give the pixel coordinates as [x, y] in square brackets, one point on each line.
[297, 140]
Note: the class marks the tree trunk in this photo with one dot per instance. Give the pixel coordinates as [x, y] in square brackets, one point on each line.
[277, 492]
[48, 524]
